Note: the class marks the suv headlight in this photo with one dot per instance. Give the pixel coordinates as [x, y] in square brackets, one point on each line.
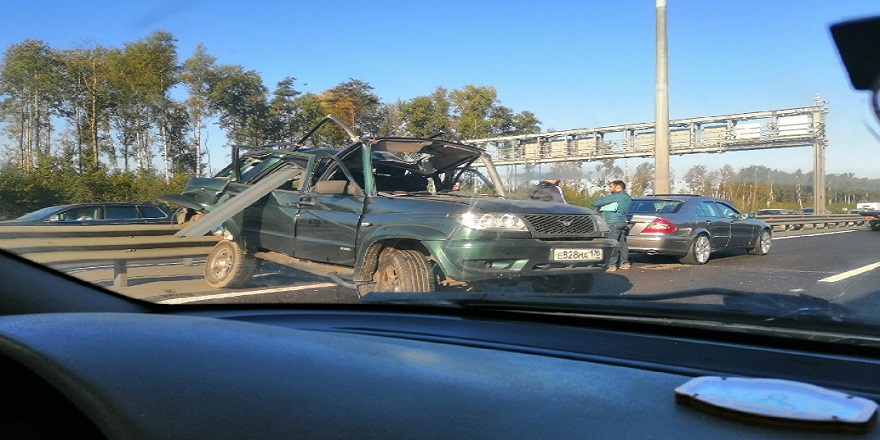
[492, 221]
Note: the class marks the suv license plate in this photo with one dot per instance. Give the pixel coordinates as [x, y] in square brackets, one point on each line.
[563, 254]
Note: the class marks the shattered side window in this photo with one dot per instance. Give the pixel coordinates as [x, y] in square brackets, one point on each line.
[267, 165]
[294, 184]
[256, 171]
[246, 167]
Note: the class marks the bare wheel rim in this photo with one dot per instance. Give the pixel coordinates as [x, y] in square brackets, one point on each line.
[387, 279]
[702, 249]
[222, 263]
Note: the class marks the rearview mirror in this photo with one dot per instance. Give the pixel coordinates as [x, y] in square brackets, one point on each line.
[857, 44]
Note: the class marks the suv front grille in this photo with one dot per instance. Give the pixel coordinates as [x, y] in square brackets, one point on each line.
[558, 225]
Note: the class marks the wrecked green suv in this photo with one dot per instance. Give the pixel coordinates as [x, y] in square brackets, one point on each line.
[388, 214]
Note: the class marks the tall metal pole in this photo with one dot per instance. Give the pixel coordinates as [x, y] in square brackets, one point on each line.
[819, 201]
[661, 106]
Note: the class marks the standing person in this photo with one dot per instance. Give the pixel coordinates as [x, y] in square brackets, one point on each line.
[547, 191]
[614, 208]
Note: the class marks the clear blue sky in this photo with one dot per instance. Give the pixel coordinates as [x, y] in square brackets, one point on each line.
[575, 64]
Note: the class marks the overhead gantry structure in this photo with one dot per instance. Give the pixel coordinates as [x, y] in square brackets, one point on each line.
[787, 128]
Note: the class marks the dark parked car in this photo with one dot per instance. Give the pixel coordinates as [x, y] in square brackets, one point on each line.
[692, 227]
[96, 214]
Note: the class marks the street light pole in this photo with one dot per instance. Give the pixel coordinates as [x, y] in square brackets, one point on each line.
[661, 106]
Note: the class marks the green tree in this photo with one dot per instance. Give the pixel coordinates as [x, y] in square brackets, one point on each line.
[240, 98]
[196, 76]
[178, 152]
[606, 171]
[698, 180]
[30, 81]
[310, 112]
[476, 112]
[503, 122]
[473, 107]
[394, 122]
[725, 180]
[642, 180]
[424, 116]
[142, 76]
[758, 187]
[354, 103]
[293, 113]
[284, 110]
[525, 122]
[88, 102]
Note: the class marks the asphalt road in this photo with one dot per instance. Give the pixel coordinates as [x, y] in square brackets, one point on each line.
[838, 265]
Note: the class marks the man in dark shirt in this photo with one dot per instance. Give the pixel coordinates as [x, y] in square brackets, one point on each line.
[547, 191]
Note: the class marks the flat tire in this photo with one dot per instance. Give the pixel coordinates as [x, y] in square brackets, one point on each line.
[403, 270]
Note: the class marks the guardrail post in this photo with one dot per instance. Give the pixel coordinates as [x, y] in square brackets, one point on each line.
[120, 273]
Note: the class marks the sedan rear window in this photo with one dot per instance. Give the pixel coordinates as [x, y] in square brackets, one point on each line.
[654, 206]
[152, 212]
[120, 212]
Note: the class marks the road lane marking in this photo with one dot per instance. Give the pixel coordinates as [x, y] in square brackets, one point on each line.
[243, 293]
[850, 273]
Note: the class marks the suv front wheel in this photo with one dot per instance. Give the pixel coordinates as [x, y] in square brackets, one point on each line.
[402, 270]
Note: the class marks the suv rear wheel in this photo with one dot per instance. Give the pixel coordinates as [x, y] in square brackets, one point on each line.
[229, 266]
[699, 251]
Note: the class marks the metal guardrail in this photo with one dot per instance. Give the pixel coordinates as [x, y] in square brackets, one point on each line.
[820, 221]
[118, 244]
[121, 244]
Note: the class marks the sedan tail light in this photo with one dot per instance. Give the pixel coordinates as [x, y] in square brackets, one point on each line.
[659, 226]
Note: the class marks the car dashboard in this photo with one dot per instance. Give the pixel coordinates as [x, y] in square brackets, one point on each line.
[106, 367]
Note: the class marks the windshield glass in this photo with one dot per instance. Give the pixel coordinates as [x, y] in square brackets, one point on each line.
[41, 214]
[597, 158]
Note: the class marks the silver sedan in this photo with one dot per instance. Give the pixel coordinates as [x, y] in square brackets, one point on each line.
[693, 227]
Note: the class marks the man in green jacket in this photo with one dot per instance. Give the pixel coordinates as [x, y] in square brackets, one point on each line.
[614, 208]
